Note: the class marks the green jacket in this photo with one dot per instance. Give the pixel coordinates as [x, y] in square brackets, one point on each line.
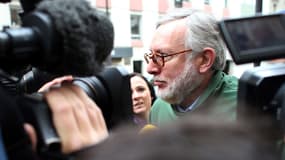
[219, 99]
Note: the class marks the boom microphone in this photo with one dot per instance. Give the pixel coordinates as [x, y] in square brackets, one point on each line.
[60, 37]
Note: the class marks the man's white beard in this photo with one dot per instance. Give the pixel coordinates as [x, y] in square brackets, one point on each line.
[182, 86]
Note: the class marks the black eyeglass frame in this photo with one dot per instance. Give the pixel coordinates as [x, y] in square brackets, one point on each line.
[155, 56]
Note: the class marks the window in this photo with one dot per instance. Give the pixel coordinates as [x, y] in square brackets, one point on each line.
[136, 26]
[207, 2]
[137, 66]
[178, 3]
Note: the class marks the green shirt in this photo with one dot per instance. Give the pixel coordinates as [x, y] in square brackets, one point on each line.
[219, 99]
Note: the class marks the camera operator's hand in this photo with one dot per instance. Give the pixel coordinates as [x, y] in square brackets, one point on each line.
[55, 82]
[78, 120]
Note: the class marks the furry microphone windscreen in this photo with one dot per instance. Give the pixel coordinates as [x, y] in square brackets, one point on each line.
[87, 35]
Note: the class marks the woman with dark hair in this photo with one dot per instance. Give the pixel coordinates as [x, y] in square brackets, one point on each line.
[143, 96]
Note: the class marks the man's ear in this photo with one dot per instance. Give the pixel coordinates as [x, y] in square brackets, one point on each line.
[207, 59]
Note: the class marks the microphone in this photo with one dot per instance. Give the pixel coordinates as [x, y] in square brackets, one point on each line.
[61, 37]
[148, 128]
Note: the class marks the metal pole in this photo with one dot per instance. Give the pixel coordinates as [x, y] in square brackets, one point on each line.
[258, 10]
[107, 7]
[108, 60]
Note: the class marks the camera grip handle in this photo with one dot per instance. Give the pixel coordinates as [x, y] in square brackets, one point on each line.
[36, 112]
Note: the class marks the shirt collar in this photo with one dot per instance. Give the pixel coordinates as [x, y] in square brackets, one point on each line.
[189, 108]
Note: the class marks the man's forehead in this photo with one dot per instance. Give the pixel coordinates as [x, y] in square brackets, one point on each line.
[171, 33]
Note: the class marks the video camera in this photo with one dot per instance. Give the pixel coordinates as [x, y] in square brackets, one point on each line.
[261, 89]
[109, 88]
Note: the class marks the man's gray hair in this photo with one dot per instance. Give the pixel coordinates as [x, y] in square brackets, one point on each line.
[202, 32]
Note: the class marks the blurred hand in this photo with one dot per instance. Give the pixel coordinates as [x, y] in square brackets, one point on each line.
[55, 82]
[78, 120]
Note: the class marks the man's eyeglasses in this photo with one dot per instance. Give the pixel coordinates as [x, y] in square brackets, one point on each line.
[161, 58]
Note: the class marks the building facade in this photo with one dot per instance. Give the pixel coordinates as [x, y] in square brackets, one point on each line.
[135, 20]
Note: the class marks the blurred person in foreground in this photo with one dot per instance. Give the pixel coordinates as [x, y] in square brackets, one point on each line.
[187, 57]
[191, 137]
[143, 96]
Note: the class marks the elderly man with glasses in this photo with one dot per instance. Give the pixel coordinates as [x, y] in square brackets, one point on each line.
[186, 59]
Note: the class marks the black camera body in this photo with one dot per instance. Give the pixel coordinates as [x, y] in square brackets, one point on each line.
[252, 40]
[62, 38]
[255, 38]
[109, 89]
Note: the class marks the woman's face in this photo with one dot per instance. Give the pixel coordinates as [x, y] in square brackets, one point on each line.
[141, 96]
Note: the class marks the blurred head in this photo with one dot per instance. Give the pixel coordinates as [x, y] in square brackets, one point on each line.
[194, 137]
[142, 94]
[192, 49]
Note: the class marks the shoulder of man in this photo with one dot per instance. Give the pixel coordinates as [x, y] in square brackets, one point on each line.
[230, 81]
[222, 99]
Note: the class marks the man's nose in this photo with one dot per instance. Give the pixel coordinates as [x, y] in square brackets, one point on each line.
[153, 68]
